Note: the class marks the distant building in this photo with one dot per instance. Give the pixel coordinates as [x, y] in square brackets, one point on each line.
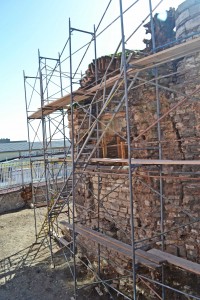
[11, 150]
[4, 141]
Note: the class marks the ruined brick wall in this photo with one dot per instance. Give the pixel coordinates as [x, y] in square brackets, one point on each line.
[178, 199]
[102, 211]
[179, 141]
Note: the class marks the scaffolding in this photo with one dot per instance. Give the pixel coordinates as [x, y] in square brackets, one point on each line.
[102, 104]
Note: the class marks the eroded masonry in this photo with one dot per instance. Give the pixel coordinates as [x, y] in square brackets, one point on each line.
[131, 193]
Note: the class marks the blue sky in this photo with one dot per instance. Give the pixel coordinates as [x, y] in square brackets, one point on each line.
[29, 25]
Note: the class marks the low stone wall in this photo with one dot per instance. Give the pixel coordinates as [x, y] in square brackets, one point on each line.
[11, 200]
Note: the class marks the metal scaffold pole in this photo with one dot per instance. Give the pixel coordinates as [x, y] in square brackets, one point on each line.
[116, 128]
[73, 161]
[29, 147]
[45, 156]
[131, 198]
[97, 136]
[63, 119]
[159, 143]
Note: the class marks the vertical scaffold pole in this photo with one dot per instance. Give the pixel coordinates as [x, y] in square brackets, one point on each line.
[66, 166]
[159, 143]
[97, 137]
[29, 147]
[73, 161]
[45, 157]
[95, 55]
[129, 149]
[63, 117]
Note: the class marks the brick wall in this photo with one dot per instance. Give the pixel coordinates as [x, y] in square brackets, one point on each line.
[102, 199]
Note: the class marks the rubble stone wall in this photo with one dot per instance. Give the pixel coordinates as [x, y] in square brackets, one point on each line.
[103, 200]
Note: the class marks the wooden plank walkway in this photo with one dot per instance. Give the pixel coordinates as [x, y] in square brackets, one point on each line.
[144, 258]
[177, 261]
[145, 161]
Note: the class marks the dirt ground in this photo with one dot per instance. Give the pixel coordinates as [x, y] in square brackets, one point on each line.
[26, 272]
[17, 232]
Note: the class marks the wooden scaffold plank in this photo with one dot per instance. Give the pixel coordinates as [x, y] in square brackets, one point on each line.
[177, 261]
[147, 62]
[144, 258]
[145, 161]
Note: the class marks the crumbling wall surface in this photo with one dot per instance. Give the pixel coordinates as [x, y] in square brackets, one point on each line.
[103, 197]
[97, 208]
[98, 194]
[180, 196]
[179, 141]
[187, 119]
[163, 29]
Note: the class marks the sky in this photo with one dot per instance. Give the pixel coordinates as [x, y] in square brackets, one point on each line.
[29, 25]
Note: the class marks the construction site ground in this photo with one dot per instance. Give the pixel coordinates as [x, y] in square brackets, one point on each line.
[36, 280]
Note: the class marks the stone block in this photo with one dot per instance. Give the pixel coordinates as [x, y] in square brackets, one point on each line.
[180, 31]
[185, 5]
[113, 206]
[192, 23]
[123, 210]
[122, 214]
[114, 195]
[103, 192]
[123, 197]
[172, 249]
[181, 251]
[120, 271]
[189, 247]
[112, 213]
[182, 17]
[147, 203]
[120, 181]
